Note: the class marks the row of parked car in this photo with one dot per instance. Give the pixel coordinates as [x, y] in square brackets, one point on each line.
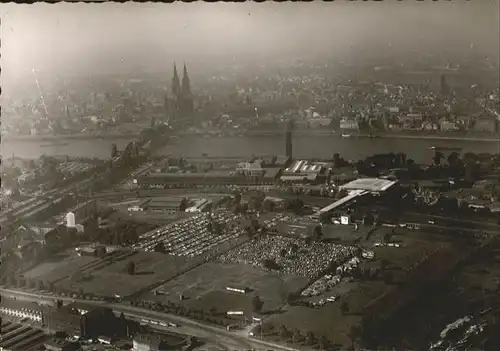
[191, 237]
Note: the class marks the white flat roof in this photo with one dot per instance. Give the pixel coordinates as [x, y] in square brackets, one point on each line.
[369, 184]
[345, 199]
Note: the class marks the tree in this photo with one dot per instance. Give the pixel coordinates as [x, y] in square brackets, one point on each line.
[283, 332]
[344, 307]
[438, 156]
[296, 336]
[183, 205]
[257, 202]
[11, 281]
[453, 159]
[237, 198]
[353, 334]
[322, 342]
[100, 251]
[309, 338]
[160, 247]
[116, 239]
[308, 241]
[324, 217]
[270, 264]
[268, 206]
[39, 285]
[257, 304]
[237, 208]
[249, 232]
[294, 205]
[244, 207]
[337, 160]
[471, 171]
[317, 233]
[131, 268]
[217, 228]
[114, 150]
[255, 223]
[401, 159]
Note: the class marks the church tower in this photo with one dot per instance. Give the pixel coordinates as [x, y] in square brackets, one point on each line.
[176, 90]
[176, 85]
[181, 106]
[187, 97]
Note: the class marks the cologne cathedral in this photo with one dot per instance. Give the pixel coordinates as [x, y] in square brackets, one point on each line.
[180, 106]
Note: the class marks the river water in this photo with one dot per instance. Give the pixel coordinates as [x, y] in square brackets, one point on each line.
[322, 146]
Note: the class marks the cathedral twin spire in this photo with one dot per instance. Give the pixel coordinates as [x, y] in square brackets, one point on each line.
[176, 85]
[177, 88]
[181, 90]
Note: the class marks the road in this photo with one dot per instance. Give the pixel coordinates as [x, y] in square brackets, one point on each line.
[230, 340]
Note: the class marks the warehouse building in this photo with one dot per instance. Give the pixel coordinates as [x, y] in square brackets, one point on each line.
[81, 321]
[56, 344]
[149, 342]
[370, 185]
[210, 178]
[21, 309]
[302, 171]
[160, 204]
[199, 205]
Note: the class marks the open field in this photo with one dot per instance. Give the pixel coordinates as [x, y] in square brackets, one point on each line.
[151, 268]
[60, 266]
[205, 287]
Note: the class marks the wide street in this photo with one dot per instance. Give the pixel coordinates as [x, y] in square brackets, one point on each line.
[215, 335]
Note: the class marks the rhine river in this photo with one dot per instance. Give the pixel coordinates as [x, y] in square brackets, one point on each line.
[304, 146]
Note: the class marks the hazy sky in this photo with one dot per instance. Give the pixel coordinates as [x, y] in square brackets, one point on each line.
[88, 37]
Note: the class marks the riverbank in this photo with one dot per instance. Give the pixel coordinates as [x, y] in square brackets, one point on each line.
[430, 137]
[52, 138]
[262, 133]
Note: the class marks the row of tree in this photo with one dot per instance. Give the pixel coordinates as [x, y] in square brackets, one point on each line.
[24, 282]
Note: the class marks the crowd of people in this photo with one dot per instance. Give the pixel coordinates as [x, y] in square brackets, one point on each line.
[291, 256]
[193, 236]
[329, 281]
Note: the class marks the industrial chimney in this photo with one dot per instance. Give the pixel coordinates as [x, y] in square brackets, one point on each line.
[288, 140]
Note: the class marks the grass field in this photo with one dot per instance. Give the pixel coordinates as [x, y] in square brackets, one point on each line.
[60, 266]
[205, 287]
[151, 268]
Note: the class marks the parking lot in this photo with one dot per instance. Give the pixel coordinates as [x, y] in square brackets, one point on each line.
[308, 261]
[191, 237]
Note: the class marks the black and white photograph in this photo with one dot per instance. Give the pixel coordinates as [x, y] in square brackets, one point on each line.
[252, 176]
